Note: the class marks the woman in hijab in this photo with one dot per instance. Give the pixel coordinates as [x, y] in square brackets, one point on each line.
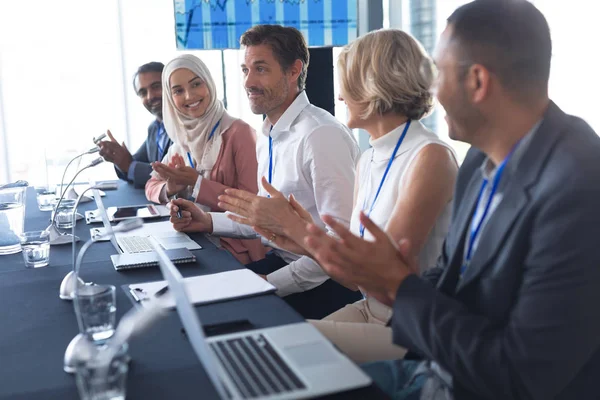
[212, 150]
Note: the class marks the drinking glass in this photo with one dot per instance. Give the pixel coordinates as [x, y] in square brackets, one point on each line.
[96, 381]
[46, 198]
[64, 214]
[36, 248]
[97, 308]
[12, 218]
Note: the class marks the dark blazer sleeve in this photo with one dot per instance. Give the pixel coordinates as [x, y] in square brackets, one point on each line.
[143, 157]
[142, 169]
[554, 314]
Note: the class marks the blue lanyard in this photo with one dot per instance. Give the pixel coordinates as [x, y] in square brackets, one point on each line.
[270, 157]
[159, 133]
[476, 227]
[387, 169]
[210, 136]
[212, 133]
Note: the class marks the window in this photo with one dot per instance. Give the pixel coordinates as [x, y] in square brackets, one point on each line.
[573, 85]
[68, 78]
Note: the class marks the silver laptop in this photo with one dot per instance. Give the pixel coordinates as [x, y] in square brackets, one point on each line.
[139, 244]
[137, 251]
[288, 362]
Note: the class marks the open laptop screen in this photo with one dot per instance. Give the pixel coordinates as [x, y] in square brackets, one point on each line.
[190, 320]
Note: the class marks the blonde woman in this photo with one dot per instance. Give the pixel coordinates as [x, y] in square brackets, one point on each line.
[212, 151]
[405, 182]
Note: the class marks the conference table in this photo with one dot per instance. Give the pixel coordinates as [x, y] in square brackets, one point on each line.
[36, 325]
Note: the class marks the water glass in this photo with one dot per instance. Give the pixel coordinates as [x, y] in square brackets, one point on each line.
[98, 309]
[12, 219]
[64, 214]
[36, 248]
[97, 382]
[46, 198]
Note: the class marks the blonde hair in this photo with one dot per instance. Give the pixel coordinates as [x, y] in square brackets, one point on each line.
[387, 71]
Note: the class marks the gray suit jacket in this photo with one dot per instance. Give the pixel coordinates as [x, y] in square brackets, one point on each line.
[146, 154]
[524, 321]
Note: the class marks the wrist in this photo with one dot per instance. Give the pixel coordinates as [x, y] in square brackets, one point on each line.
[209, 223]
[192, 180]
[393, 286]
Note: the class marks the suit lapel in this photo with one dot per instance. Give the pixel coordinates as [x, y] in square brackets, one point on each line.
[495, 230]
[459, 228]
[515, 195]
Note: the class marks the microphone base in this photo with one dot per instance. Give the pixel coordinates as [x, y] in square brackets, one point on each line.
[72, 195]
[79, 350]
[57, 238]
[67, 286]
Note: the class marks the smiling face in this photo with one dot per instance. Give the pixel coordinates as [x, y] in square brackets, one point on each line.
[149, 89]
[454, 90]
[190, 94]
[266, 84]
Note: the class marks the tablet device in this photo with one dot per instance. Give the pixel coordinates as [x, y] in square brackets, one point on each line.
[145, 211]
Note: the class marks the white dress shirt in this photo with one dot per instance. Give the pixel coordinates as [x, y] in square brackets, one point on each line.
[314, 158]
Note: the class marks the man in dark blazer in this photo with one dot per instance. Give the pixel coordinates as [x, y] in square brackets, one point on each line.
[136, 168]
[512, 309]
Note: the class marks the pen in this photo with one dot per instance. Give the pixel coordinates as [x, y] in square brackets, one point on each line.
[178, 209]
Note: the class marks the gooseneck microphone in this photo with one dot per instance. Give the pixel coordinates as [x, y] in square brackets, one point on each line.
[56, 237]
[80, 346]
[90, 151]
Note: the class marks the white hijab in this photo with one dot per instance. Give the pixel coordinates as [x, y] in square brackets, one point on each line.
[191, 134]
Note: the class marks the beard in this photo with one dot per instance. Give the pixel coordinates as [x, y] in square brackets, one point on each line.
[270, 97]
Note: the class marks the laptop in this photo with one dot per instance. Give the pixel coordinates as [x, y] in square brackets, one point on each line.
[137, 251]
[287, 362]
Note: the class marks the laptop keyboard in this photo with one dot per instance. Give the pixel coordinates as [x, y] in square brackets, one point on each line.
[255, 367]
[135, 244]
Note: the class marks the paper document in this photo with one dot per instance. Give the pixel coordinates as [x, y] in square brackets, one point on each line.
[208, 288]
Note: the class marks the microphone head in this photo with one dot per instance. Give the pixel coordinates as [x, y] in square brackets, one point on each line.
[99, 138]
[97, 161]
[93, 150]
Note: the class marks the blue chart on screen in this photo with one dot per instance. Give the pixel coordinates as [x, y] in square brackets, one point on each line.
[218, 24]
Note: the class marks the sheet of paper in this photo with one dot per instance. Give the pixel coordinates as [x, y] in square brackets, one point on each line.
[210, 288]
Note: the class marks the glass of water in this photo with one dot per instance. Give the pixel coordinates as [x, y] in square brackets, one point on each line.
[46, 198]
[36, 248]
[64, 213]
[98, 309]
[96, 381]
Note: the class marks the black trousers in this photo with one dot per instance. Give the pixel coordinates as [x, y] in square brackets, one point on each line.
[316, 303]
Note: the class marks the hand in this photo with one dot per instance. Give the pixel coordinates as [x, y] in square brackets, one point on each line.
[177, 174]
[274, 213]
[378, 267]
[115, 153]
[282, 242]
[192, 218]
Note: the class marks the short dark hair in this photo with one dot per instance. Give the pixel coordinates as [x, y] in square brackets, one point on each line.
[153, 66]
[509, 37]
[286, 42]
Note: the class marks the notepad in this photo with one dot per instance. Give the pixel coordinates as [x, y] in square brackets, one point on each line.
[211, 288]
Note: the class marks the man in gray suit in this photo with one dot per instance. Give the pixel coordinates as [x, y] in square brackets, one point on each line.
[136, 168]
[512, 309]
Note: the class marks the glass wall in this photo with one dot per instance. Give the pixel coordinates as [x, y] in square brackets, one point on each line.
[574, 83]
[66, 70]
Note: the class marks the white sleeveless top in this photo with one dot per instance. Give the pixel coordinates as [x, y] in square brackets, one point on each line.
[372, 165]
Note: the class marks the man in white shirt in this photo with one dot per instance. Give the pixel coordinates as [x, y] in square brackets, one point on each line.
[304, 151]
